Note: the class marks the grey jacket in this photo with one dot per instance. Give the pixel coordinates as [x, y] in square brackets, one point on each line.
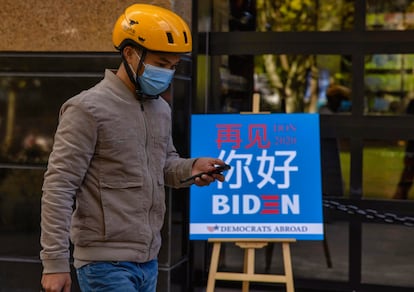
[112, 155]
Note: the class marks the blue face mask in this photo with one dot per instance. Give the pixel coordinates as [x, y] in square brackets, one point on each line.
[154, 80]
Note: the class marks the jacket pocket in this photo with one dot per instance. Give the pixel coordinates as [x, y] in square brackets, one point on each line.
[120, 162]
[125, 212]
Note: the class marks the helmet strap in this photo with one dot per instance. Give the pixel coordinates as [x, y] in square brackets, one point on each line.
[138, 91]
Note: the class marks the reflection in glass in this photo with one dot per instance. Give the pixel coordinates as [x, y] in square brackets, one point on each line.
[20, 191]
[381, 182]
[29, 108]
[298, 83]
[233, 15]
[283, 15]
[224, 83]
[389, 83]
[390, 15]
[334, 166]
[284, 83]
[302, 15]
[407, 174]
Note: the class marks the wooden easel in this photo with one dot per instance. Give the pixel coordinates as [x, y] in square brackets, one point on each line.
[249, 245]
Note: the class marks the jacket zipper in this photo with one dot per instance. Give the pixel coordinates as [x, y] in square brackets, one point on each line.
[151, 178]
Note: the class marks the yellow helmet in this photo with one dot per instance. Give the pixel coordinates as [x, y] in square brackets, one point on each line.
[153, 28]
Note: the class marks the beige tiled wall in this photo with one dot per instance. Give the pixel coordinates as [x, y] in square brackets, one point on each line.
[67, 25]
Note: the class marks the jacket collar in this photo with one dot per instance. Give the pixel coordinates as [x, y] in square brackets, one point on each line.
[118, 86]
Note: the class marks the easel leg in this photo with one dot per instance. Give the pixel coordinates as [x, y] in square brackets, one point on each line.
[248, 267]
[269, 255]
[248, 275]
[288, 267]
[213, 267]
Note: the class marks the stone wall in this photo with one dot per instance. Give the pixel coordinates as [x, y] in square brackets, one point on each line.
[68, 25]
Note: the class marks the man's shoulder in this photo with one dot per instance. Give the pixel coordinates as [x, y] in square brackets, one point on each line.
[88, 96]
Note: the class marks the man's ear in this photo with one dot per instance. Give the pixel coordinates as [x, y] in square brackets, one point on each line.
[129, 53]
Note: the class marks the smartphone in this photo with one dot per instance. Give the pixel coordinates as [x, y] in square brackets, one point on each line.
[218, 170]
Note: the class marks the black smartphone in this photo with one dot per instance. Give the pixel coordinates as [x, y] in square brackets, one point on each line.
[218, 169]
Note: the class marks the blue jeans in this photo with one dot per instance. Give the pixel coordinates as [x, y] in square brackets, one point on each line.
[118, 276]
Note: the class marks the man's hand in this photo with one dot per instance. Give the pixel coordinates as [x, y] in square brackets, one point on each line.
[206, 165]
[59, 282]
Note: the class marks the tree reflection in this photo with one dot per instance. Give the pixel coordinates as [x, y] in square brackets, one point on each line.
[288, 75]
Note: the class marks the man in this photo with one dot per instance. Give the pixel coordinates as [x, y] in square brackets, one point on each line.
[337, 99]
[113, 153]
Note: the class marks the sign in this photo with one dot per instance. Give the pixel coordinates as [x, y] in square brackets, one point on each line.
[273, 189]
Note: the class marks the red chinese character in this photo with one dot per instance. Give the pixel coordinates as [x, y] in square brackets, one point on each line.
[258, 135]
[228, 133]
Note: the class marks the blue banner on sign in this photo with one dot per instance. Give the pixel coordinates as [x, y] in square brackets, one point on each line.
[273, 189]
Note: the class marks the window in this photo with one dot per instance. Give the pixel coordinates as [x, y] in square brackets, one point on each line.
[389, 83]
[390, 15]
[32, 89]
